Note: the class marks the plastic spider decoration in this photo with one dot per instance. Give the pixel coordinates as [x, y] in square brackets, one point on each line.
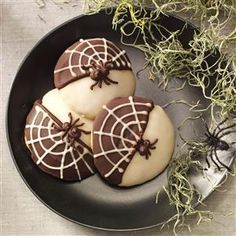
[215, 142]
[144, 147]
[71, 130]
[99, 73]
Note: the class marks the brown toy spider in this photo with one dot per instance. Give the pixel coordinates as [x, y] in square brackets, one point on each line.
[71, 130]
[214, 142]
[99, 73]
[144, 147]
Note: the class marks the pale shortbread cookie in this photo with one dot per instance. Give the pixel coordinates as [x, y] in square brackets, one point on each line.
[90, 73]
[59, 139]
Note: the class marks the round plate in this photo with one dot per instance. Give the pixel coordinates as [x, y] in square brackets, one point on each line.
[92, 202]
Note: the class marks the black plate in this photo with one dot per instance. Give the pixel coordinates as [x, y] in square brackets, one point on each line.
[92, 202]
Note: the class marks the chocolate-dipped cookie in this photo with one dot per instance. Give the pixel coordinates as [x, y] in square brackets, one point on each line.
[59, 139]
[133, 141]
[92, 72]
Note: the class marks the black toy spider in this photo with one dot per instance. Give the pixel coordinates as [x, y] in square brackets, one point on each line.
[144, 147]
[99, 73]
[215, 142]
[71, 130]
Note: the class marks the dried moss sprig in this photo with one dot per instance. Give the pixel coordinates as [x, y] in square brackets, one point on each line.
[182, 194]
[202, 11]
[167, 58]
[180, 191]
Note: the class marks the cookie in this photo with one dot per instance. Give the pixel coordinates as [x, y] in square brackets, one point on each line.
[133, 141]
[59, 139]
[92, 72]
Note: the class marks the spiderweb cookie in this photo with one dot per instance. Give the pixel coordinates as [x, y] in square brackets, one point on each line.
[59, 139]
[133, 141]
[92, 72]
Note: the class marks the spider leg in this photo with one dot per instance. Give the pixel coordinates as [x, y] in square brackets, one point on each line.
[207, 161]
[66, 131]
[80, 125]
[80, 143]
[70, 116]
[57, 128]
[211, 156]
[93, 85]
[76, 122]
[152, 147]
[111, 81]
[60, 129]
[221, 130]
[106, 81]
[147, 155]
[153, 143]
[208, 134]
[218, 125]
[85, 132]
[222, 164]
[100, 83]
[226, 133]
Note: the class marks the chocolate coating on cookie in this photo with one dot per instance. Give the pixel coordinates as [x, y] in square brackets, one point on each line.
[92, 57]
[56, 147]
[118, 135]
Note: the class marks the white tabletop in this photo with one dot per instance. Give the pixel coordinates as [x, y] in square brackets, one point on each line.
[22, 24]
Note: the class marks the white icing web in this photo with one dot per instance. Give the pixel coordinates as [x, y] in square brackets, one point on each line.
[110, 52]
[48, 124]
[127, 144]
